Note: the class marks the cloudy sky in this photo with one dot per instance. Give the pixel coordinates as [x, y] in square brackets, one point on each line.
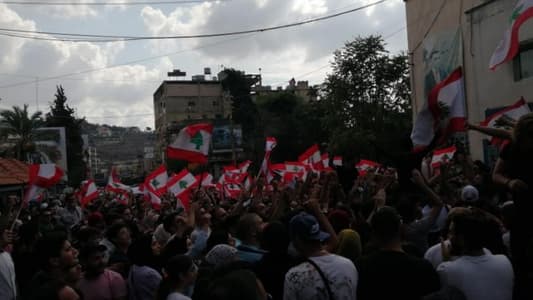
[113, 83]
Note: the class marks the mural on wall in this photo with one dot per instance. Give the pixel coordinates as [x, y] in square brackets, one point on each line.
[442, 54]
[51, 147]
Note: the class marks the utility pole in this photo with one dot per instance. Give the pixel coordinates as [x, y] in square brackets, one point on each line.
[37, 92]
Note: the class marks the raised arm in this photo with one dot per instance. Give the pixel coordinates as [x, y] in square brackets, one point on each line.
[495, 132]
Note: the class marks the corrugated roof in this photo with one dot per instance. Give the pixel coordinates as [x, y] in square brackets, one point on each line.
[13, 172]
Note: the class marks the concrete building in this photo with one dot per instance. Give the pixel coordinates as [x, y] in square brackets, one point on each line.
[180, 102]
[446, 34]
[301, 89]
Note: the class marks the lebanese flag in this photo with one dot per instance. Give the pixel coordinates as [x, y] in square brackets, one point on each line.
[337, 161]
[514, 112]
[444, 112]
[325, 160]
[41, 177]
[205, 179]
[508, 47]
[192, 144]
[181, 182]
[232, 190]
[114, 184]
[365, 165]
[44, 175]
[271, 143]
[311, 156]
[157, 181]
[243, 167]
[442, 156]
[89, 192]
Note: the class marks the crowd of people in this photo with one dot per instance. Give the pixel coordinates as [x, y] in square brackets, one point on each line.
[462, 232]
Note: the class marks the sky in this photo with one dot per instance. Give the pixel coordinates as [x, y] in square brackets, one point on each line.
[113, 83]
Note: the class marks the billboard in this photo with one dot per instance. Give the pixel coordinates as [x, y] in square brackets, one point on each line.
[224, 138]
[50, 147]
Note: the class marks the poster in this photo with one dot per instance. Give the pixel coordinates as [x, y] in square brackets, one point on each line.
[50, 147]
[223, 139]
[442, 54]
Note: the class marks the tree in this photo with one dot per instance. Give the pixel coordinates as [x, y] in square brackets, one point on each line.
[19, 125]
[295, 124]
[244, 111]
[366, 100]
[61, 115]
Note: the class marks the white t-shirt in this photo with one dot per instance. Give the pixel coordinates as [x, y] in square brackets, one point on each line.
[434, 254]
[177, 296]
[304, 281]
[486, 277]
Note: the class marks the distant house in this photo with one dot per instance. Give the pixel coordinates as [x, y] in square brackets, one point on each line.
[13, 175]
[104, 131]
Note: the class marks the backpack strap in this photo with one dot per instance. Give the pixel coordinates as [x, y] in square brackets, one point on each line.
[324, 279]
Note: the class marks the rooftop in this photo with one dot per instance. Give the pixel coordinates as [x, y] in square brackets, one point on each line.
[13, 172]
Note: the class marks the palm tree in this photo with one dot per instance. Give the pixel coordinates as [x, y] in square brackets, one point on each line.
[19, 126]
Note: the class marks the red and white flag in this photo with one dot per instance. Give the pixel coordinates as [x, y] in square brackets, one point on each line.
[181, 182]
[325, 160]
[157, 181]
[205, 179]
[114, 185]
[271, 143]
[337, 161]
[243, 167]
[510, 44]
[443, 113]
[40, 177]
[442, 156]
[89, 192]
[514, 112]
[192, 144]
[232, 190]
[311, 156]
[366, 165]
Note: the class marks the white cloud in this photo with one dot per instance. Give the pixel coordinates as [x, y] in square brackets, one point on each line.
[310, 7]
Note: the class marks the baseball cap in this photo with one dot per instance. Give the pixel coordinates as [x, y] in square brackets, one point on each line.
[305, 226]
[469, 194]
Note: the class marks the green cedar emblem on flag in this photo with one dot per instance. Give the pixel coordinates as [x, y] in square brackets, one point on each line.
[197, 140]
[155, 182]
[516, 13]
[183, 184]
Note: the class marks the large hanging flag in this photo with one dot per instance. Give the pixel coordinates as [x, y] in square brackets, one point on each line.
[442, 156]
[366, 165]
[89, 192]
[192, 144]
[157, 181]
[508, 47]
[181, 182]
[40, 177]
[514, 112]
[443, 113]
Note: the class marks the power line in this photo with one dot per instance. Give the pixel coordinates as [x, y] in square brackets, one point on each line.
[132, 3]
[193, 36]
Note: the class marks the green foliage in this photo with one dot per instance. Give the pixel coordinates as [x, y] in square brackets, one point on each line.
[17, 124]
[366, 101]
[294, 123]
[61, 115]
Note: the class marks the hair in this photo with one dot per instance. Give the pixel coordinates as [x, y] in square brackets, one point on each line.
[174, 268]
[275, 238]
[217, 237]
[386, 224]
[168, 221]
[50, 246]
[470, 226]
[520, 130]
[140, 252]
[236, 285]
[113, 231]
[246, 226]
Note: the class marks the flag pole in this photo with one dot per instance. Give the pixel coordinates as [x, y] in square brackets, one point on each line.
[22, 200]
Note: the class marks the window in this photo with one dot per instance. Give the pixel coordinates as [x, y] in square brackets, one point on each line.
[523, 63]
[215, 103]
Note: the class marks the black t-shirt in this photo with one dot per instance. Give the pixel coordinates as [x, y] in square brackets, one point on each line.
[518, 165]
[395, 275]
